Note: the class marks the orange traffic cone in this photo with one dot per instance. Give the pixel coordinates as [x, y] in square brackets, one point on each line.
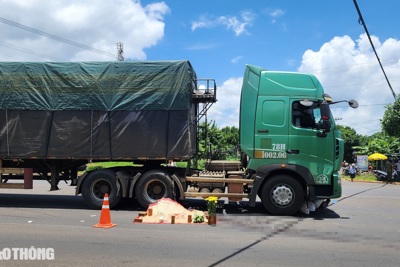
[105, 218]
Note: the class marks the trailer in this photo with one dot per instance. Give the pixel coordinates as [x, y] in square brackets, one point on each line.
[57, 117]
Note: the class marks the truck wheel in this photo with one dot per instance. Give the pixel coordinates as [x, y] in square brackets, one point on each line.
[282, 195]
[152, 186]
[96, 185]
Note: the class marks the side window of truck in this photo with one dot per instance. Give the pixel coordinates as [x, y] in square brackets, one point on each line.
[304, 117]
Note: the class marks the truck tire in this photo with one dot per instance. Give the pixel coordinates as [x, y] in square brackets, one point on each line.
[282, 195]
[152, 186]
[96, 184]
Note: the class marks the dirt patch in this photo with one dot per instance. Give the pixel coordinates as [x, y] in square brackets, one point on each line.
[168, 211]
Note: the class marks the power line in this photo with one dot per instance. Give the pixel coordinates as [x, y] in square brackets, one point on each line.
[56, 38]
[18, 48]
[361, 20]
[365, 105]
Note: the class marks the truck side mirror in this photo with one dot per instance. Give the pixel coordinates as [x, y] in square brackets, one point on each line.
[353, 103]
[326, 121]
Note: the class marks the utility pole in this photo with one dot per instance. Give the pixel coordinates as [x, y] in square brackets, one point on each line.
[120, 49]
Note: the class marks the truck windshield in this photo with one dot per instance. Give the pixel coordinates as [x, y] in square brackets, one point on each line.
[305, 116]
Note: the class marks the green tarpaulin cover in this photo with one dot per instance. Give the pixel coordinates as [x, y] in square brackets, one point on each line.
[158, 85]
[97, 110]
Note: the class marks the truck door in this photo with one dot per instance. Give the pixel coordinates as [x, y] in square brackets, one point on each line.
[271, 129]
[305, 148]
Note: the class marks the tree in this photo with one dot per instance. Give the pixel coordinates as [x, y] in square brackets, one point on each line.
[391, 119]
[219, 144]
[351, 140]
[379, 143]
[230, 140]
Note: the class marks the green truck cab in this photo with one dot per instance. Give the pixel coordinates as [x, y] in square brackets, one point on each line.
[289, 140]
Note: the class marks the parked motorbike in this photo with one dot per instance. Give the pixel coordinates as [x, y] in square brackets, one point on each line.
[382, 176]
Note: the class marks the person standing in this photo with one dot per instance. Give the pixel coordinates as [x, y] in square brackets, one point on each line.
[389, 170]
[352, 171]
[396, 171]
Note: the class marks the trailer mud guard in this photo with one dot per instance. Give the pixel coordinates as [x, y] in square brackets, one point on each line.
[180, 187]
[123, 178]
[78, 186]
[134, 180]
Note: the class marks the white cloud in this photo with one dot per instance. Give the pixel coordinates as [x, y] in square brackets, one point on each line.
[349, 69]
[98, 24]
[276, 13]
[203, 22]
[226, 111]
[237, 25]
[236, 59]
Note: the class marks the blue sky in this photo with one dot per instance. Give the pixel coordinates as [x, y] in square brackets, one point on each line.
[220, 37]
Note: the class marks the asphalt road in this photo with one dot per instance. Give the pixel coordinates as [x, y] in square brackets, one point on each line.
[360, 229]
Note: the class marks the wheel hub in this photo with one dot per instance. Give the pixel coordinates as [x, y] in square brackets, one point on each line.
[282, 195]
[104, 188]
[157, 189]
[100, 187]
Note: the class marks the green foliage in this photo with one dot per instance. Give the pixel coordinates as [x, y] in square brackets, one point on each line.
[391, 119]
[218, 144]
[379, 143]
[351, 140]
[355, 144]
[387, 142]
[198, 218]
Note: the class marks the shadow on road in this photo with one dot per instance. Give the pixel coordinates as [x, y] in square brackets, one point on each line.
[324, 214]
[42, 201]
[77, 202]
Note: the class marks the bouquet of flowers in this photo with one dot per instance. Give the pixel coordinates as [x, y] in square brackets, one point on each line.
[212, 205]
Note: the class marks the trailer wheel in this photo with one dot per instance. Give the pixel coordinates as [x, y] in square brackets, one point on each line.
[96, 185]
[282, 195]
[152, 186]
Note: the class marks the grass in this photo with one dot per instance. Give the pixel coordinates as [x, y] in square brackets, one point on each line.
[366, 177]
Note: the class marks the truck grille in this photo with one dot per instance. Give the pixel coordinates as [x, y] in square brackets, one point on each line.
[337, 148]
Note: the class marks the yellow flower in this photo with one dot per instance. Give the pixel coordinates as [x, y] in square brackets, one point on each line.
[212, 204]
[211, 198]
